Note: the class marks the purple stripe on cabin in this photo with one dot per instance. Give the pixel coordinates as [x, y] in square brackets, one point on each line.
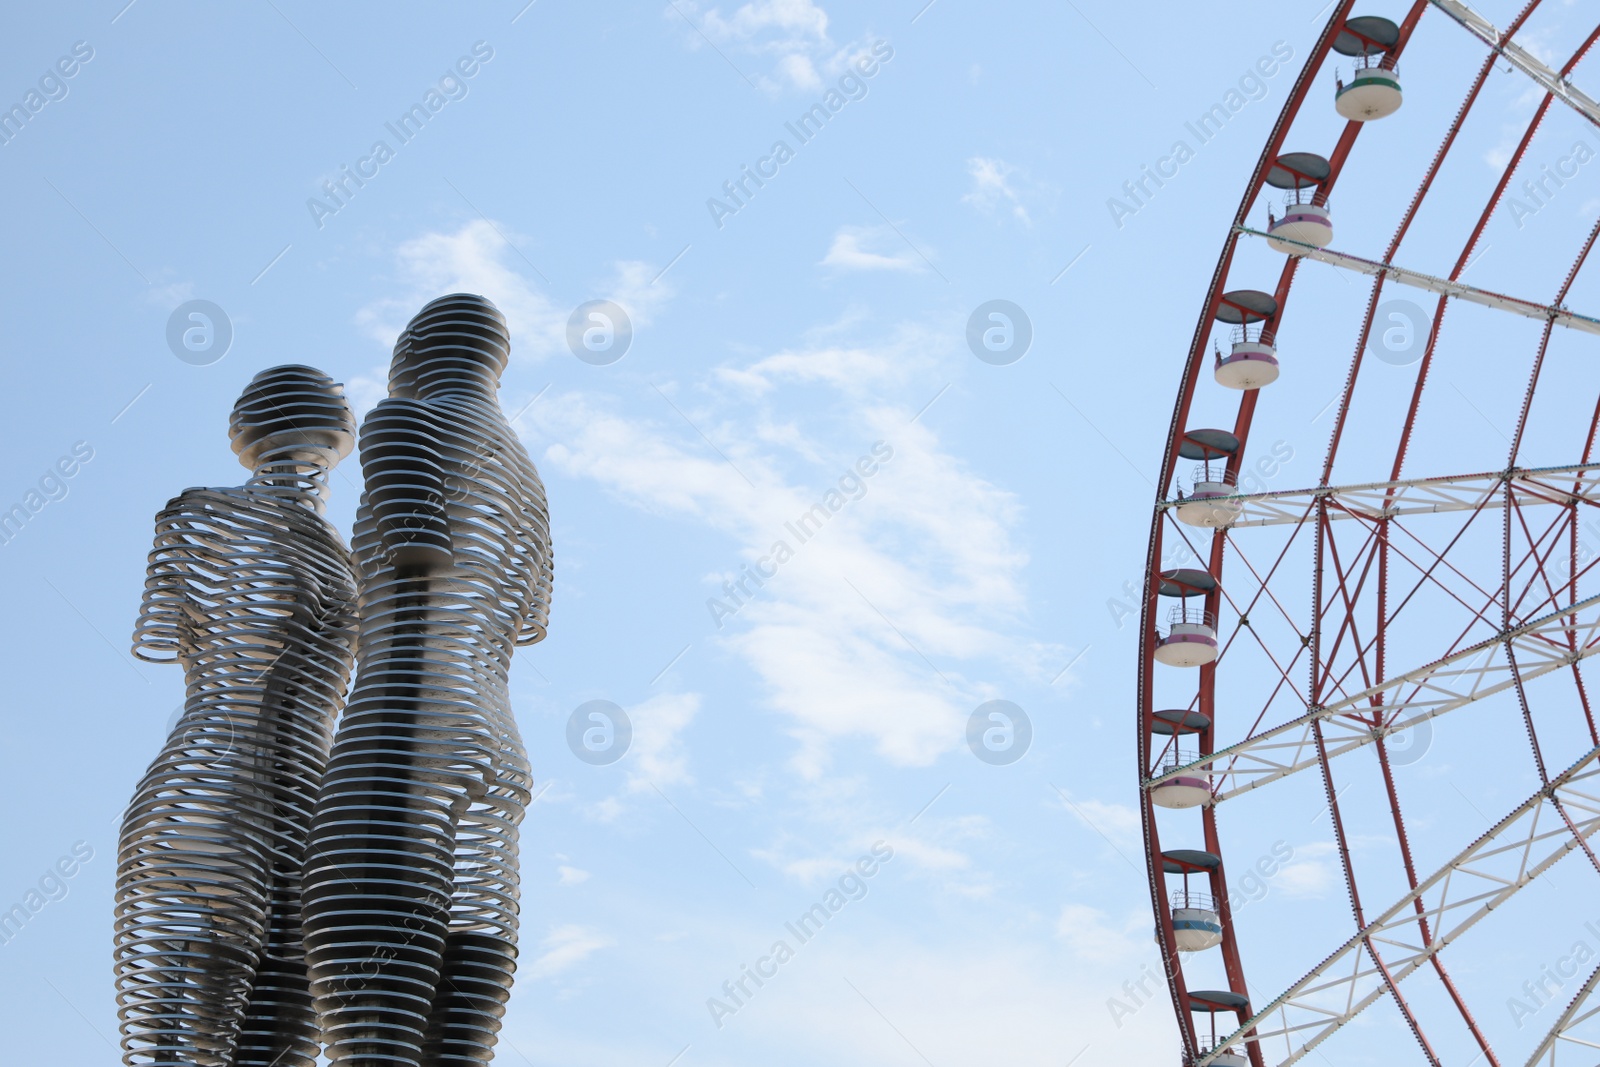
[1190, 639]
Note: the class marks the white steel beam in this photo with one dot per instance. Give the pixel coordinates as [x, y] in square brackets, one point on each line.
[1563, 1033]
[1515, 851]
[1519, 57]
[1443, 286]
[1439, 687]
[1372, 501]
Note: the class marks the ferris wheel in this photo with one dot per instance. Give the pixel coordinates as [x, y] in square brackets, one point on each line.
[1306, 638]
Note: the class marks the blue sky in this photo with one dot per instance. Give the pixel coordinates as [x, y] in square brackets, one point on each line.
[776, 341]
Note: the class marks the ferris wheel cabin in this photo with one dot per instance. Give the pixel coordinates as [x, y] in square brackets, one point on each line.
[1187, 790]
[1213, 497]
[1252, 361]
[1191, 635]
[1210, 1002]
[1196, 923]
[1373, 91]
[1305, 219]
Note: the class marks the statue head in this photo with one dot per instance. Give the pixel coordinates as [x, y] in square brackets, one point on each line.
[293, 413]
[456, 343]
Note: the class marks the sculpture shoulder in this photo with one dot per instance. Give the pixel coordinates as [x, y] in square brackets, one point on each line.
[202, 498]
[401, 413]
[204, 519]
[233, 549]
[201, 507]
[206, 506]
[483, 418]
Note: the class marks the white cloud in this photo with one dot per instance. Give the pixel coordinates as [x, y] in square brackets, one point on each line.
[1034, 1010]
[864, 632]
[992, 188]
[788, 21]
[365, 390]
[1540, 41]
[655, 759]
[792, 34]
[809, 867]
[1307, 876]
[830, 659]
[799, 71]
[571, 875]
[858, 995]
[476, 258]
[644, 463]
[929, 856]
[1498, 156]
[607, 809]
[169, 294]
[1094, 938]
[849, 251]
[656, 756]
[473, 259]
[869, 632]
[795, 32]
[849, 368]
[565, 947]
[1117, 823]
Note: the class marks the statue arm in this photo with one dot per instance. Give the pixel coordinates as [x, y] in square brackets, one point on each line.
[338, 609]
[163, 631]
[536, 519]
[536, 622]
[405, 486]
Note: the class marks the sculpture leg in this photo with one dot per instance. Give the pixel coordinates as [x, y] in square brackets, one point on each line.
[377, 898]
[481, 948]
[279, 1027]
[191, 904]
[380, 862]
[472, 998]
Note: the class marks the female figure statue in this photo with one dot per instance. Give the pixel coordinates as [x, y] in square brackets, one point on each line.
[251, 590]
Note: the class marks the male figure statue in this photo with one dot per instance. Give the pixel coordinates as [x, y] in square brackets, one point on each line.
[251, 590]
[411, 878]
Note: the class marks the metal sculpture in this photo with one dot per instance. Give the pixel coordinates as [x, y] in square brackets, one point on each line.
[411, 887]
[251, 590]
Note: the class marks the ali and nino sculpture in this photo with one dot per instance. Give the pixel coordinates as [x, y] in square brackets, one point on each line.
[411, 884]
[250, 590]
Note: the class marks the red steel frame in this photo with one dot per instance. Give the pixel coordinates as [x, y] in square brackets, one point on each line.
[1377, 549]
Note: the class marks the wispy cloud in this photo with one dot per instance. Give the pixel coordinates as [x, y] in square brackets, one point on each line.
[850, 251]
[1309, 875]
[791, 35]
[873, 630]
[482, 257]
[992, 189]
[657, 755]
[564, 948]
[1094, 937]
[475, 258]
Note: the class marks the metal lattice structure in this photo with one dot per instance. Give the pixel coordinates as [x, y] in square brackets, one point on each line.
[1376, 549]
[250, 589]
[411, 888]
